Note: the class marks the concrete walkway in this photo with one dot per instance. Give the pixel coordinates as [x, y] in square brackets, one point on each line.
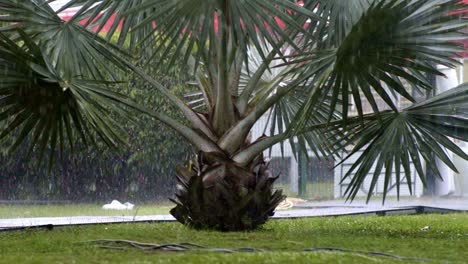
[452, 203]
[308, 209]
[79, 220]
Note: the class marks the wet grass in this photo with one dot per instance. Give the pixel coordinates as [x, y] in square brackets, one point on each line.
[20, 211]
[446, 240]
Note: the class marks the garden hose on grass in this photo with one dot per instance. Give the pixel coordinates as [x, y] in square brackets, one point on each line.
[119, 244]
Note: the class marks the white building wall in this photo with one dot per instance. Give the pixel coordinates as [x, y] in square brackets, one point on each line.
[446, 186]
[461, 178]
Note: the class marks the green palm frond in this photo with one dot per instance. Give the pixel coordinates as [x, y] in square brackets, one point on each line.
[58, 77]
[190, 27]
[340, 17]
[272, 78]
[393, 43]
[317, 141]
[73, 50]
[99, 15]
[36, 100]
[392, 141]
[279, 76]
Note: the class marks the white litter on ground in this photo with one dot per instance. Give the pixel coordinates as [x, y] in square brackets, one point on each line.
[289, 203]
[116, 205]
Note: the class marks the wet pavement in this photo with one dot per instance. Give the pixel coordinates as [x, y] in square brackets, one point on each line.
[453, 203]
[307, 209]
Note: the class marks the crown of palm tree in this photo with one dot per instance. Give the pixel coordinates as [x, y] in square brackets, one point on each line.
[59, 77]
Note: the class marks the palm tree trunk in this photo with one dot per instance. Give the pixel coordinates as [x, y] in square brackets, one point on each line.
[218, 194]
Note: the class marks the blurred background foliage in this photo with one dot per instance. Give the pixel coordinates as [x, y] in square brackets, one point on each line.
[141, 171]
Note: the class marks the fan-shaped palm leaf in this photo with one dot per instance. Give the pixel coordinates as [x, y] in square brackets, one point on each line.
[339, 16]
[393, 140]
[190, 26]
[71, 48]
[392, 43]
[36, 98]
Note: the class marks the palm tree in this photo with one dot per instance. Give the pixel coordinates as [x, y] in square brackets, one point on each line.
[303, 63]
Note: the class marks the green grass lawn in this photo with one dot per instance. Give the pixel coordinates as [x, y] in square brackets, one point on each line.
[19, 211]
[284, 241]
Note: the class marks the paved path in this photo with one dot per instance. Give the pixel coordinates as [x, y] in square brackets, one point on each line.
[79, 220]
[309, 209]
[83, 220]
[452, 203]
